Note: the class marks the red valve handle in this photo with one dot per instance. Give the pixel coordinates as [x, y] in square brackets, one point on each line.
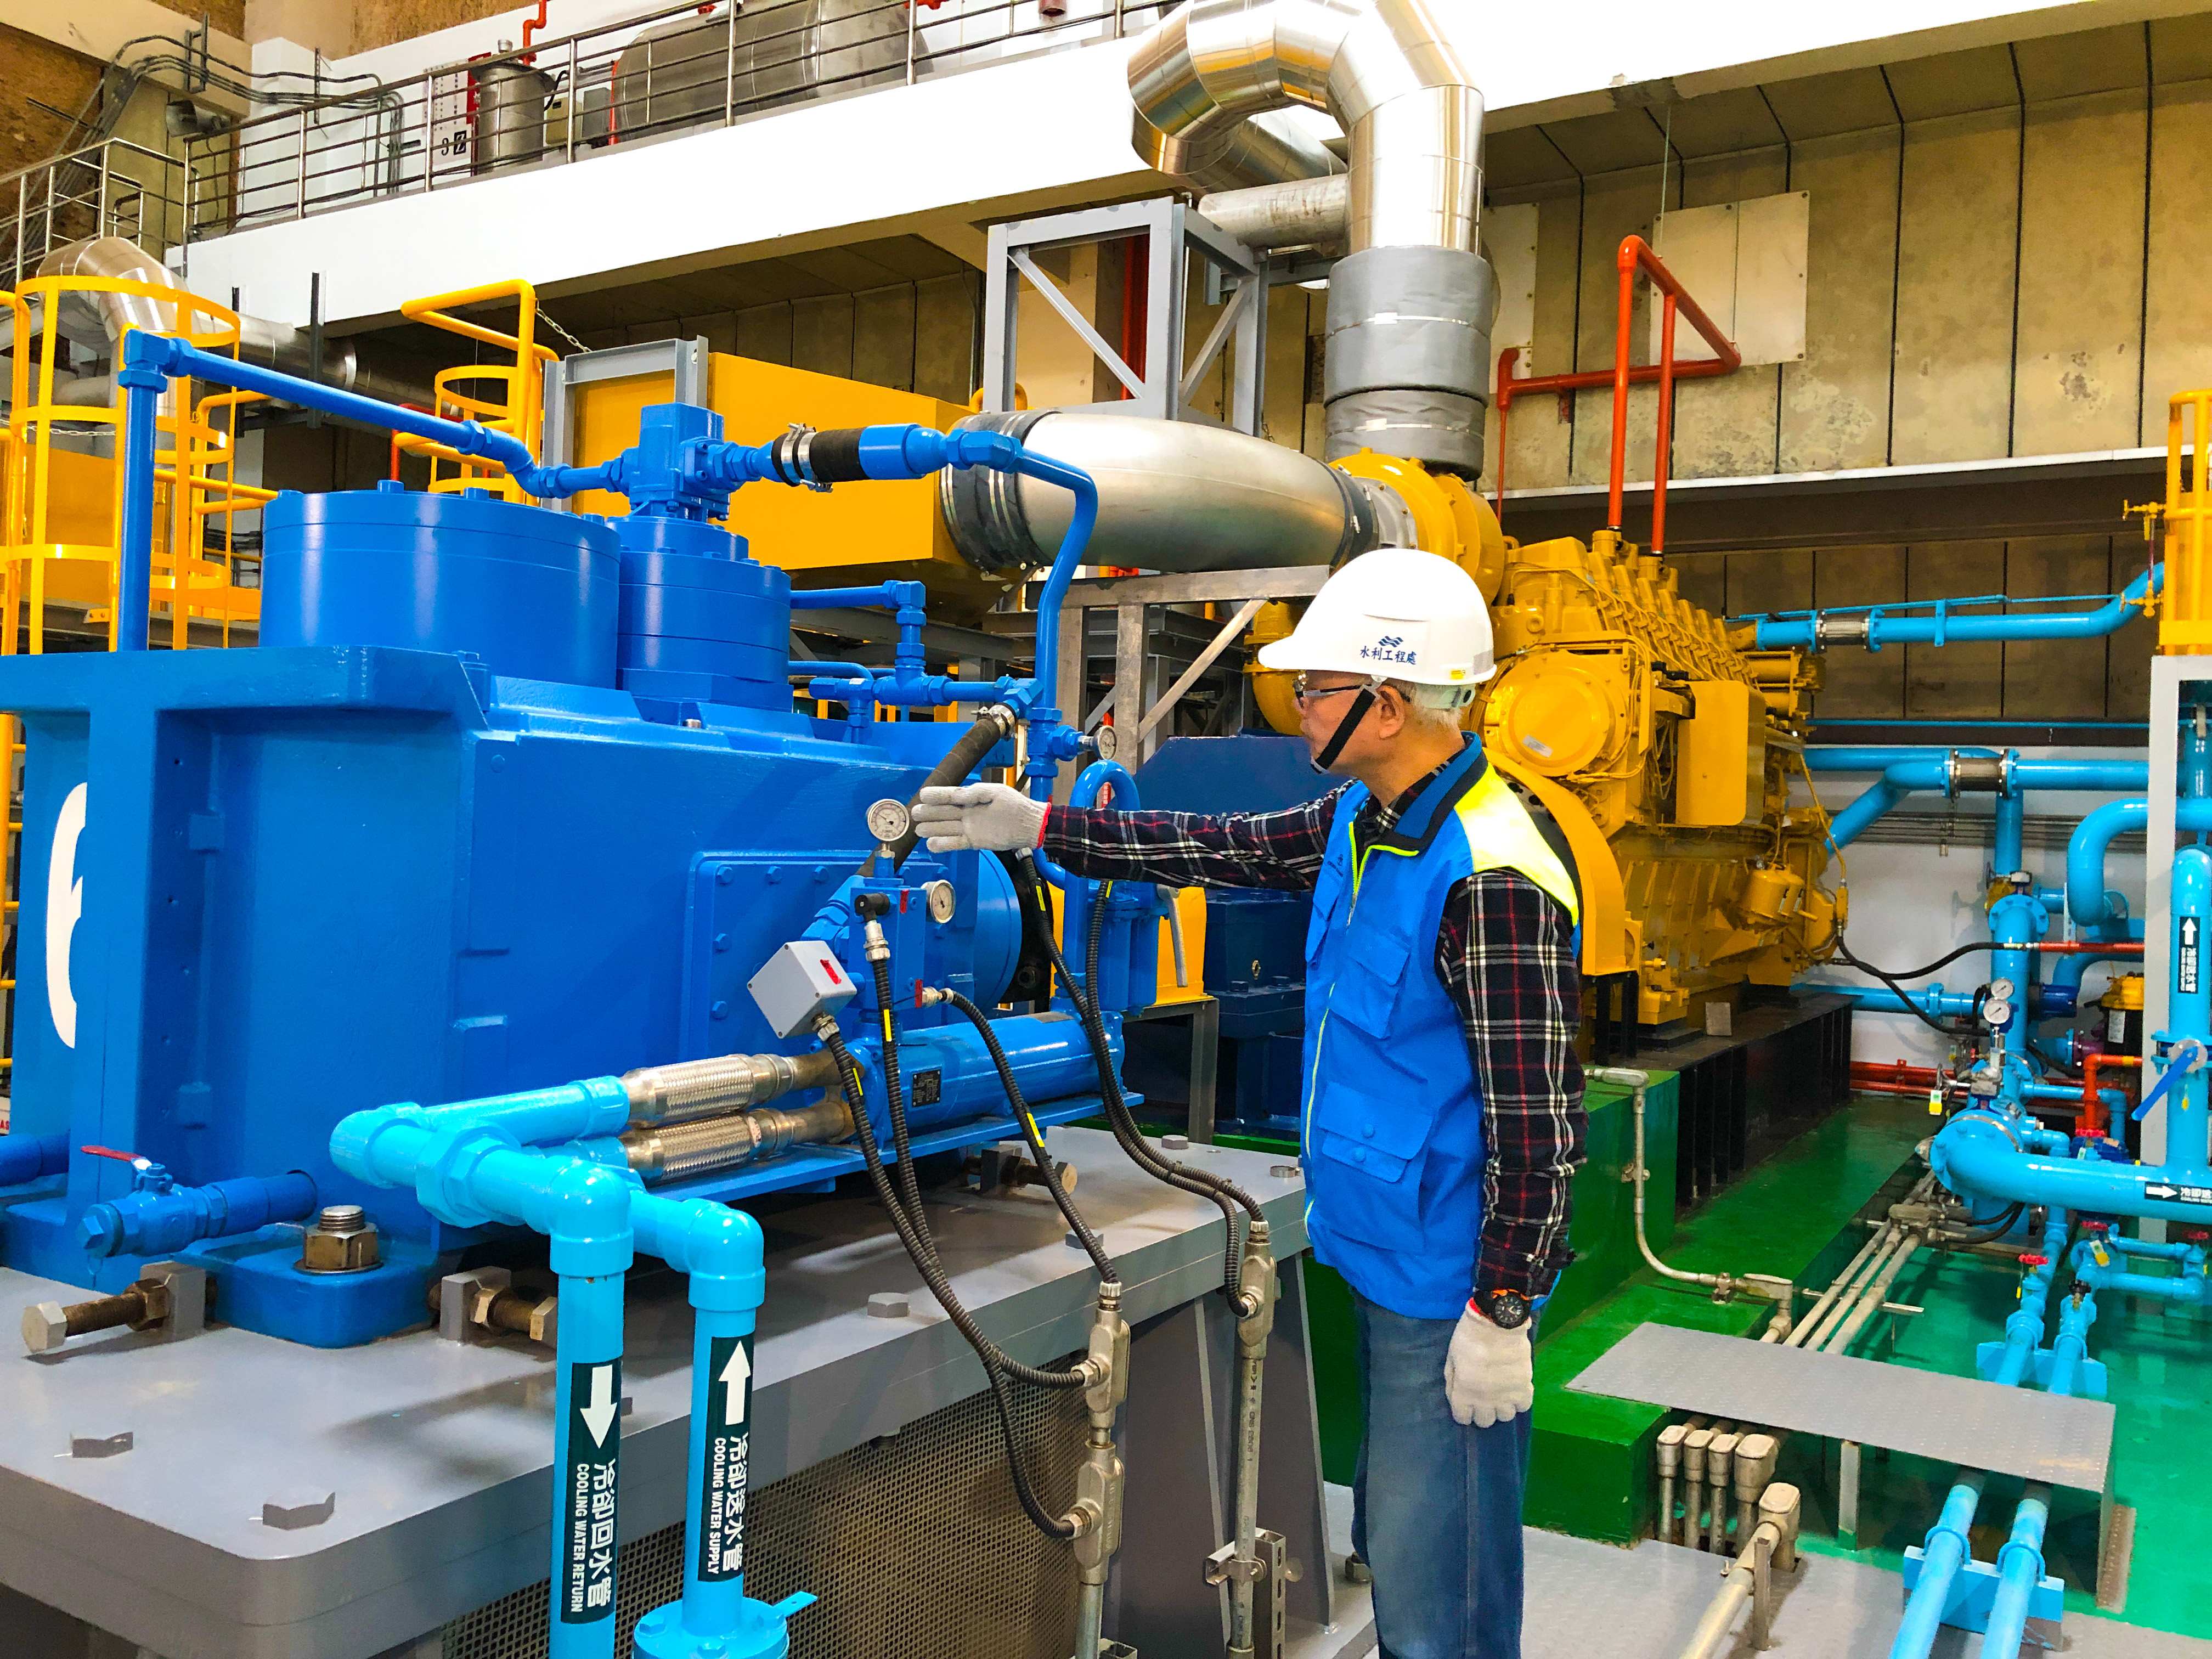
[2035, 1261]
[109, 1151]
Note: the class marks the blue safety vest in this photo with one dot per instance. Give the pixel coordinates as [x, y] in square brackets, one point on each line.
[1393, 1144]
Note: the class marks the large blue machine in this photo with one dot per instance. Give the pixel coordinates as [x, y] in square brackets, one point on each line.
[504, 798]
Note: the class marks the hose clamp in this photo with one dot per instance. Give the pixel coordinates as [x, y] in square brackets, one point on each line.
[793, 453]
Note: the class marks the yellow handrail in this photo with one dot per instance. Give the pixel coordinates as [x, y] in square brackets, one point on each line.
[2185, 620]
[519, 406]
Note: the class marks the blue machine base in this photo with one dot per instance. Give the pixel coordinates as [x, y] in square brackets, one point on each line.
[1975, 1589]
[2089, 1375]
[759, 1632]
[258, 1285]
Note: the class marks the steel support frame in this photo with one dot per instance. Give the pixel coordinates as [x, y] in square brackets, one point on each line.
[684, 360]
[1174, 231]
[1130, 597]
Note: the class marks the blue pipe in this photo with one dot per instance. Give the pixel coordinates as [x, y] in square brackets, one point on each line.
[134, 580]
[2020, 1569]
[2087, 900]
[888, 596]
[32, 1157]
[1925, 771]
[1944, 1553]
[1884, 627]
[1980, 1159]
[155, 1221]
[1880, 756]
[594, 1217]
[2010, 853]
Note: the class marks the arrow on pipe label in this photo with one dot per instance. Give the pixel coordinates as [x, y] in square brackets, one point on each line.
[588, 1479]
[722, 1474]
[2184, 970]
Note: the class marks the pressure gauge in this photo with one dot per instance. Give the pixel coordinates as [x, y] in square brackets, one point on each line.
[888, 821]
[1996, 1011]
[1106, 741]
[942, 900]
[2001, 990]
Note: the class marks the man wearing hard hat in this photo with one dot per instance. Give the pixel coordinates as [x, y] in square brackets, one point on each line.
[1442, 1109]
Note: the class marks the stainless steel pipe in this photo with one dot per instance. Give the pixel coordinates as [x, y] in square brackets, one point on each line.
[672, 1151]
[690, 1089]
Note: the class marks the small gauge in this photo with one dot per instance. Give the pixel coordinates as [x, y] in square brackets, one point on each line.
[2002, 989]
[942, 900]
[888, 820]
[1996, 1011]
[1106, 741]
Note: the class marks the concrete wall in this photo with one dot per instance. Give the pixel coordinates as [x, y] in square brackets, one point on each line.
[1996, 283]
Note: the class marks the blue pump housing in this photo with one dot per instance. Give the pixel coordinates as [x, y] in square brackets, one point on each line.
[505, 799]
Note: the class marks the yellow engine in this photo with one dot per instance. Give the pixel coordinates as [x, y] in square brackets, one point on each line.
[1664, 752]
[1676, 749]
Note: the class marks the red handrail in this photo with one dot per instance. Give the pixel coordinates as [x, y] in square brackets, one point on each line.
[1635, 255]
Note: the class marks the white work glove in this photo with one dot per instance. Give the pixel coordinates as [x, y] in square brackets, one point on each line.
[1490, 1375]
[981, 817]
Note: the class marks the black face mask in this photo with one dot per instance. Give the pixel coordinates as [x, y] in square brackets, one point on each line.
[1345, 728]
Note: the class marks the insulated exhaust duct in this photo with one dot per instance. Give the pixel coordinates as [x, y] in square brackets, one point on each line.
[1410, 304]
[391, 377]
[1173, 496]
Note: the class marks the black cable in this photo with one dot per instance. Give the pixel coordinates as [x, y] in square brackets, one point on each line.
[996, 1363]
[1904, 994]
[1092, 1244]
[1943, 961]
[1131, 1137]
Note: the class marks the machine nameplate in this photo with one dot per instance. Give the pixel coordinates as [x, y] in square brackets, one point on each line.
[721, 1526]
[587, 1491]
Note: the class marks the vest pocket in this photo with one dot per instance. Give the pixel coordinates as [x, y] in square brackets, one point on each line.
[1370, 970]
[1372, 1150]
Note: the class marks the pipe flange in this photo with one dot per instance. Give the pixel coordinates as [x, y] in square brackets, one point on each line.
[982, 506]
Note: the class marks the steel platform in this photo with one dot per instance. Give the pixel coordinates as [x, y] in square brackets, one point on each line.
[439, 1453]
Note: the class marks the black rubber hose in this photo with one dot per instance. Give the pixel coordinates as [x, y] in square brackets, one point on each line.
[965, 755]
[1092, 1244]
[997, 1365]
[1988, 1232]
[1131, 1137]
[1892, 980]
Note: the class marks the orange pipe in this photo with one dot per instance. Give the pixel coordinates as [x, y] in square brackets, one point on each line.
[1635, 255]
[2093, 1118]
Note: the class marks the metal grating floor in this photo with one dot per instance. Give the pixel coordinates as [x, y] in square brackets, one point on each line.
[913, 1542]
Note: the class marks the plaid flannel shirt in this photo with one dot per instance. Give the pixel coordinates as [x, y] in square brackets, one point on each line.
[1505, 953]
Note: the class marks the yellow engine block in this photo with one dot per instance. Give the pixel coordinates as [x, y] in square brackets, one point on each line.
[1626, 710]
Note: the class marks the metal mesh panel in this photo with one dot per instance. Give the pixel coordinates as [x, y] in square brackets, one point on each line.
[914, 1543]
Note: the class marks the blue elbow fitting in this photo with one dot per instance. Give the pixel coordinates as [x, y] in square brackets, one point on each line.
[29, 1158]
[721, 1248]
[151, 1222]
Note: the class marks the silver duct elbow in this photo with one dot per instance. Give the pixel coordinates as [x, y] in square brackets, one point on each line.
[1172, 496]
[1411, 304]
[1300, 213]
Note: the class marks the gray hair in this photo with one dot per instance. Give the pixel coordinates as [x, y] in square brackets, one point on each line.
[1441, 702]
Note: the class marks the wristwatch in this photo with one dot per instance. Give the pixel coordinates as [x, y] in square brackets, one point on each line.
[1507, 1310]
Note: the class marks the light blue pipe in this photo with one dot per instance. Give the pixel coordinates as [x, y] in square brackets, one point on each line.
[160, 1220]
[1924, 771]
[1880, 756]
[594, 1217]
[2020, 1569]
[1941, 627]
[2113, 1098]
[889, 595]
[2009, 852]
[1931, 1000]
[2023, 1328]
[721, 1249]
[1979, 1159]
[1944, 1553]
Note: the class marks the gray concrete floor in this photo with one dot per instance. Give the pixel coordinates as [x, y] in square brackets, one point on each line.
[1593, 1601]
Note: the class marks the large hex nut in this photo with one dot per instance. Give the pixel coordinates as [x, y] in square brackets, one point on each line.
[546, 1319]
[46, 1326]
[322, 1252]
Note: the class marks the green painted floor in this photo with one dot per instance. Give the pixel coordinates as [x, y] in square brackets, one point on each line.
[1587, 1473]
[1793, 1215]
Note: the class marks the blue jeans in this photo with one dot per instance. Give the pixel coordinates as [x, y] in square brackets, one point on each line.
[1436, 1507]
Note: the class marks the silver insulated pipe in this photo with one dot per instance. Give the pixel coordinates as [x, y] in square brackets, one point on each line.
[1410, 304]
[1173, 496]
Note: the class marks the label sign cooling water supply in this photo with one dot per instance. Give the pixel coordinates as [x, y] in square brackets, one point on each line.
[722, 1480]
[2171, 1193]
[2186, 955]
[587, 1589]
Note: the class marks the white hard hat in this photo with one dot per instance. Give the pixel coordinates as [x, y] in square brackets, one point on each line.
[1397, 613]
